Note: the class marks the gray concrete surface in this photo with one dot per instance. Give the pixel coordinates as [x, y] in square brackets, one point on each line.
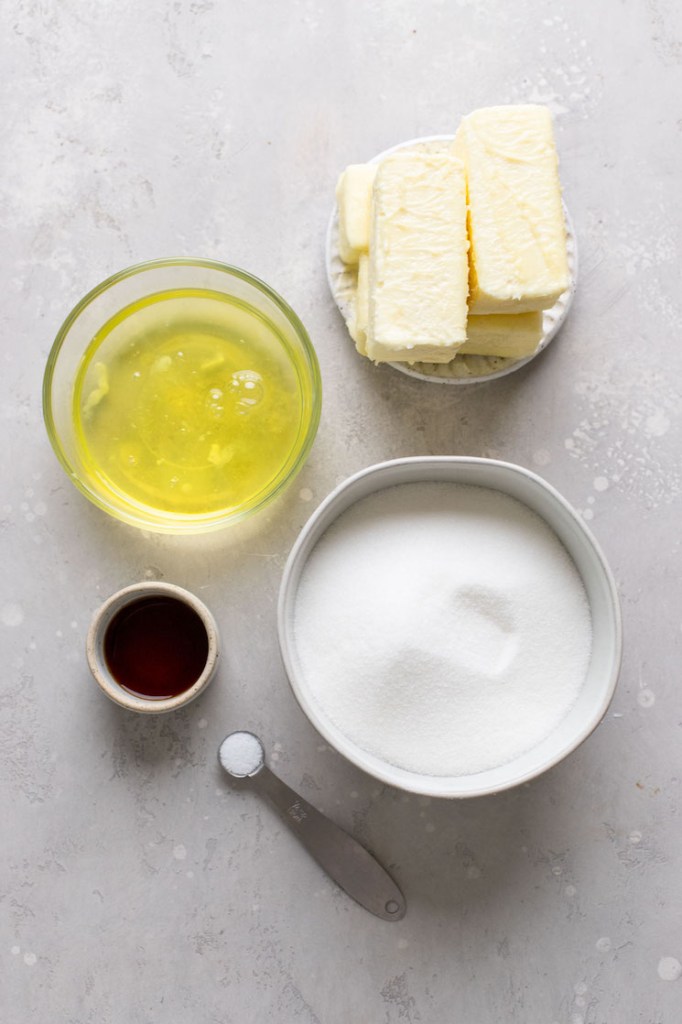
[134, 885]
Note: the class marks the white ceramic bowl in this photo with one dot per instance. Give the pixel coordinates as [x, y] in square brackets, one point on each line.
[536, 494]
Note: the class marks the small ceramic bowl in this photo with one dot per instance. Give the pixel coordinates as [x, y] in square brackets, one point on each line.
[95, 645]
[532, 491]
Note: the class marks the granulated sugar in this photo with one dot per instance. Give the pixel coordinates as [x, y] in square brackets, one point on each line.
[443, 628]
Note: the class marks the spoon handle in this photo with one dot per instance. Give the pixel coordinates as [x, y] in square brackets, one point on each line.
[349, 864]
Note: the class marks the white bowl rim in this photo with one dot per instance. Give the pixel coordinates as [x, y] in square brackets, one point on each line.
[437, 786]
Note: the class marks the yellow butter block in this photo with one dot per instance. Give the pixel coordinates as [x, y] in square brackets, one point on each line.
[518, 261]
[353, 195]
[357, 325]
[417, 259]
[500, 334]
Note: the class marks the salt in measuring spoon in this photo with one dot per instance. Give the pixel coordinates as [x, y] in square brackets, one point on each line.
[348, 863]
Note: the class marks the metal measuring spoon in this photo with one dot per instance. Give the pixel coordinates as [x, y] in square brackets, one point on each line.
[349, 864]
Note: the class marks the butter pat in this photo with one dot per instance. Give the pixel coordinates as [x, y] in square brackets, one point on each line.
[518, 259]
[353, 195]
[512, 337]
[418, 259]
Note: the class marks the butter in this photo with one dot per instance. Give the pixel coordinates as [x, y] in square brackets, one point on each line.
[505, 335]
[518, 259]
[353, 195]
[357, 325]
[499, 334]
[418, 259]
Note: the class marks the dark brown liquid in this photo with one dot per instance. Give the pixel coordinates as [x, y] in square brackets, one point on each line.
[156, 647]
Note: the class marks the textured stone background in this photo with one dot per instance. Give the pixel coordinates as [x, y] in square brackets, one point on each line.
[134, 885]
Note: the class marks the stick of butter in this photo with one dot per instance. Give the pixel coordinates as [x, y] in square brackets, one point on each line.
[417, 259]
[517, 260]
[353, 195]
[357, 325]
[506, 335]
[499, 334]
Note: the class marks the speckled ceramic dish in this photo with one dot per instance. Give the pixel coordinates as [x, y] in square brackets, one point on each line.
[95, 647]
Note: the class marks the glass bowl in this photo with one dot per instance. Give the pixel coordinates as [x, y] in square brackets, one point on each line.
[181, 395]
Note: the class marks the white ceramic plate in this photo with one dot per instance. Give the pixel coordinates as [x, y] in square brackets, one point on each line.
[463, 369]
[537, 495]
